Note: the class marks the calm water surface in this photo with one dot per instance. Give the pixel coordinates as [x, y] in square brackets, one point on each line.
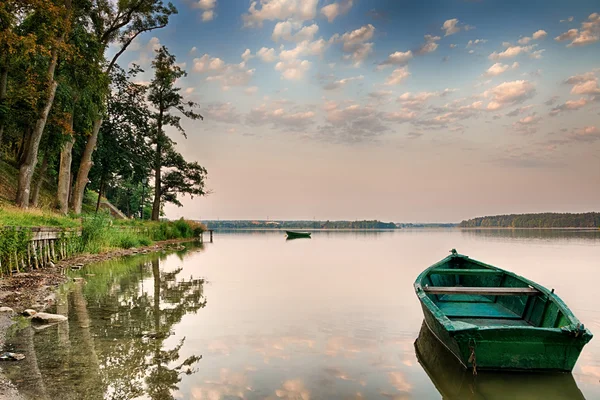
[253, 316]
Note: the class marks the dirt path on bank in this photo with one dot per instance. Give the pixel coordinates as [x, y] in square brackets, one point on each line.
[35, 289]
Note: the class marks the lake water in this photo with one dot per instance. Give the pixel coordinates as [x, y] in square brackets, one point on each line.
[332, 317]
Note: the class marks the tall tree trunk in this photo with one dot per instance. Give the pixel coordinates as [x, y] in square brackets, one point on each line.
[64, 172]
[157, 166]
[3, 85]
[84, 168]
[23, 145]
[40, 180]
[31, 152]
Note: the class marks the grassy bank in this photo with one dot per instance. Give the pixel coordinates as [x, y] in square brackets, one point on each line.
[99, 232]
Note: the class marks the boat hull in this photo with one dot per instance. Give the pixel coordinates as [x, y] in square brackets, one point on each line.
[509, 348]
[296, 235]
[455, 383]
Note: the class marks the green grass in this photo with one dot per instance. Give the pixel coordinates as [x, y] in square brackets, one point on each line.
[13, 216]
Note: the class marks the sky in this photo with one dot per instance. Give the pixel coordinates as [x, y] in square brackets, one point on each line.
[405, 111]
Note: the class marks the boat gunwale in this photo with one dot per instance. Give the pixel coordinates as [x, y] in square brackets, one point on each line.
[449, 325]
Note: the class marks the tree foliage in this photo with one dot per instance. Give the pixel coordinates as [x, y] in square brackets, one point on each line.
[63, 101]
[542, 220]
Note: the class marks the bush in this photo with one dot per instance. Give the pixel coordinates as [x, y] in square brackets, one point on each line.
[95, 235]
[127, 241]
[13, 246]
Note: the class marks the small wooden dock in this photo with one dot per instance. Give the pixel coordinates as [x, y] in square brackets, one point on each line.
[210, 231]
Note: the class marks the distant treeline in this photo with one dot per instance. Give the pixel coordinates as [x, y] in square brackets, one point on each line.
[241, 224]
[544, 220]
[427, 225]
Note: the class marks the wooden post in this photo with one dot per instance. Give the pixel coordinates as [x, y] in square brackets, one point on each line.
[52, 252]
[16, 262]
[29, 255]
[211, 232]
[35, 256]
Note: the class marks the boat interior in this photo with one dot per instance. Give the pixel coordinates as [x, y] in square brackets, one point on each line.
[468, 291]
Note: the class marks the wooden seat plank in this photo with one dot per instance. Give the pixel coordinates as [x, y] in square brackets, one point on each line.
[492, 291]
[456, 271]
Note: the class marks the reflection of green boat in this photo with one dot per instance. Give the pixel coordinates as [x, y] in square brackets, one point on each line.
[455, 383]
[297, 235]
[493, 319]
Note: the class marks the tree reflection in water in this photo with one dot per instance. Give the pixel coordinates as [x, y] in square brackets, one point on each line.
[117, 336]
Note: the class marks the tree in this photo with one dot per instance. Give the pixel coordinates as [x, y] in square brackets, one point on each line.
[124, 152]
[120, 24]
[54, 21]
[165, 97]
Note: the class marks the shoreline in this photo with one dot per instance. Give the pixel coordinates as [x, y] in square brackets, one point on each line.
[35, 289]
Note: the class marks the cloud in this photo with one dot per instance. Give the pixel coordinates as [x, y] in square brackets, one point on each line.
[537, 54]
[519, 110]
[273, 10]
[209, 9]
[540, 34]
[568, 35]
[500, 68]
[208, 15]
[418, 100]
[251, 90]
[193, 50]
[529, 120]
[575, 79]
[227, 74]
[586, 134]
[396, 58]
[509, 93]
[451, 113]
[429, 46]
[336, 84]
[293, 389]
[276, 115]
[222, 112]
[451, 26]
[293, 69]
[537, 35]
[398, 380]
[380, 94]
[476, 42]
[511, 52]
[228, 385]
[334, 10]
[356, 43]
[570, 19]
[400, 116]
[397, 76]
[266, 55]
[304, 48]
[247, 55]
[452, 45]
[569, 105]
[586, 84]
[588, 87]
[351, 124]
[588, 33]
[551, 100]
[283, 31]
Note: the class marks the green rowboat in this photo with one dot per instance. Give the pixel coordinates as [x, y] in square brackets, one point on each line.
[297, 235]
[493, 319]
